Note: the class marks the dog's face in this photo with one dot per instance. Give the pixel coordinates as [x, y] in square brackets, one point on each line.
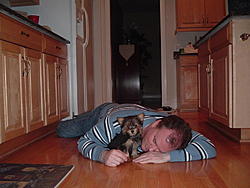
[131, 125]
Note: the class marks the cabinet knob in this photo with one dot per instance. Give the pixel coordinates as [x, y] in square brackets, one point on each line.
[244, 36]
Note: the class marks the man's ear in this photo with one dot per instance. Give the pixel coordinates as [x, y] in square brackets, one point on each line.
[120, 120]
[140, 117]
[154, 124]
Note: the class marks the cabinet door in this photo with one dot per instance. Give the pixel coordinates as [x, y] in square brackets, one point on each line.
[51, 83]
[204, 75]
[63, 88]
[34, 89]
[215, 11]
[190, 13]
[12, 91]
[219, 85]
[187, 83]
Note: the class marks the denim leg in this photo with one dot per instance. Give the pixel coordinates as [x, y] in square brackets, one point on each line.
[81, 124]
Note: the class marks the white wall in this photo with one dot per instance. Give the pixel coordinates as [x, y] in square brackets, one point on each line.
[54, 13]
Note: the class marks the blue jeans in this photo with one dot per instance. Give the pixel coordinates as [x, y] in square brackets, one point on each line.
[82, 123]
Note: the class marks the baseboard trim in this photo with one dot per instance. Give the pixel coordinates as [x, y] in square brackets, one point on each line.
[236, 134]
[19, 142]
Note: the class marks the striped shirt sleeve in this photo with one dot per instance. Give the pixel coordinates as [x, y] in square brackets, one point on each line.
[95, 141]
[198, 148]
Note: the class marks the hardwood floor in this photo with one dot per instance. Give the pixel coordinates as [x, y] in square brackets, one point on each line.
[231, 167]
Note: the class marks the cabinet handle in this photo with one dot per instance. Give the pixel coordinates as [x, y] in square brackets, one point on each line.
[27, 66]
[25, 34]
[244, 36]
[57, 47]
[208, 68]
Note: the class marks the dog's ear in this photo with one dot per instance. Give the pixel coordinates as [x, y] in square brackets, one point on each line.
[120, 120]
[140, 117]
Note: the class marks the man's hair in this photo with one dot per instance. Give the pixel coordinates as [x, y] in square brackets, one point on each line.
[180, 126]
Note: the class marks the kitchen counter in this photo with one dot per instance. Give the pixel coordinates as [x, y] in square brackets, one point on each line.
[13, 14]
[218, 27]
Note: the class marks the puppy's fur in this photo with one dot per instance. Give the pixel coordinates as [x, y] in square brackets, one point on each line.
[131, 135]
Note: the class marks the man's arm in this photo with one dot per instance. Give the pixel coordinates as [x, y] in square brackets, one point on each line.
[198, 148]
[94, 144]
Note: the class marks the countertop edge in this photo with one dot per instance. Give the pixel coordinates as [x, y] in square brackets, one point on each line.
[13, 14]
[218, 27]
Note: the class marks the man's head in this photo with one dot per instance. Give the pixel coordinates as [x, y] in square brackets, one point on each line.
[167, 134]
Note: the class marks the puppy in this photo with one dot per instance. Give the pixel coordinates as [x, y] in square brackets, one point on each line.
[130, 136]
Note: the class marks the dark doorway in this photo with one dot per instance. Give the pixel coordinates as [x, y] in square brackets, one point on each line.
[136, 53]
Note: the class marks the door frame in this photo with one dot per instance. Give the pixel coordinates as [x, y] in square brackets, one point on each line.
[102, 51]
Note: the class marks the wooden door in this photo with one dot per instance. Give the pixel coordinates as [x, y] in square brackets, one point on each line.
[51, 89]
[190, 13]
[80, 75]
[34, 89]
[12, 91]
[219, 86]
[215, 11]
[84, 56]
[63, 88]
[88, 47]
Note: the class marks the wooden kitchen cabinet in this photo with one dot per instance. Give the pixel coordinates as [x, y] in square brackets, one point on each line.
[187, 83]
[228, 79]
[34, 82]
[56, 82]
[204, 70]
[51, 88]
[63, 88]
[198, 15]
[22, 83]
[219, 107]
[15, 3]
[12, 92]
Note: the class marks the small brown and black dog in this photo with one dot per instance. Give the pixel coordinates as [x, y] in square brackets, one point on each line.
[130, 136]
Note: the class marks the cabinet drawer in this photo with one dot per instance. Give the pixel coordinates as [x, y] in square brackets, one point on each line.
[221, 39]
[54, 47]
[18, 33]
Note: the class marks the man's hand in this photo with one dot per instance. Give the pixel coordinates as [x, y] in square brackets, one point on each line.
[114, 157]
[153, 157]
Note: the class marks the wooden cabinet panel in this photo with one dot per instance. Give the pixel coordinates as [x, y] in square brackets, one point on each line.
[63, 88]
[51, 90]
[204, 77]
[12, 80]
[220, 85]
[54, 47]
[15, 3]
[23, 35]
[190, 13]
[221, 39]
[187, 83]
[215, 11]
[34, 89]
[199, 15]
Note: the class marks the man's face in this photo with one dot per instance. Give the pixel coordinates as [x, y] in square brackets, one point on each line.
[160, 139]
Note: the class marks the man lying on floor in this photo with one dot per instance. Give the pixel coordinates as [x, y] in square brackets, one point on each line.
[163, 140]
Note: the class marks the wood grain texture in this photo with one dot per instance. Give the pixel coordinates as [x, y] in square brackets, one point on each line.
[229, 169]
